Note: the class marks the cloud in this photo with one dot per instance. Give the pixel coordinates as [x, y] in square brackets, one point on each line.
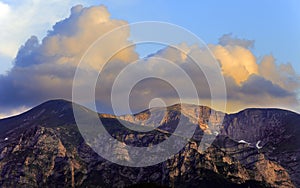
[227, 39]
[283, 75]
[249, 83]
[13, 112]
[4, 10]
[253, 86]
[45, 69]
[236, 61]
[21, 19]
[27, 53]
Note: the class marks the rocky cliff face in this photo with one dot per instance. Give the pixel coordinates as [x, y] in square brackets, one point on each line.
[43, 148]
[274, 133]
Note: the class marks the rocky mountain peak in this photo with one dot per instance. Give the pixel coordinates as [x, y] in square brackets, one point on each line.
[44, 147]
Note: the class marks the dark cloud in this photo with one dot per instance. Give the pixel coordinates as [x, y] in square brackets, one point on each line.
[227, 39]
[28, 53]
[257, 85]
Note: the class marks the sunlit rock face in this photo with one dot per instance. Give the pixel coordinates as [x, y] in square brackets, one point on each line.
[43, 148]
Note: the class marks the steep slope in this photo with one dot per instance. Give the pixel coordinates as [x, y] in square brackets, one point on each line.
[190, 114]
[53, 112]
[276, 132]
[44, 148]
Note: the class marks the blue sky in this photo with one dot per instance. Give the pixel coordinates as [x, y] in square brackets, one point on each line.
[274, 25]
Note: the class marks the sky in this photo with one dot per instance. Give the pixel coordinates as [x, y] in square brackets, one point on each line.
[271, 28]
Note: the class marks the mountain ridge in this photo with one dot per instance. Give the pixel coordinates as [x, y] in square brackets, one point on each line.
[26, 141]
[186, 104]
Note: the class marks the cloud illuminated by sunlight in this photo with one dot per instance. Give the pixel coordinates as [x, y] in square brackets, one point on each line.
[45, 69]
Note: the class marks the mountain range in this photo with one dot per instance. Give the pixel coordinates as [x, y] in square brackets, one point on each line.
[43, 147]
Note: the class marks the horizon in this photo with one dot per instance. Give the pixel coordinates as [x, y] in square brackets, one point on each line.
[232, 113]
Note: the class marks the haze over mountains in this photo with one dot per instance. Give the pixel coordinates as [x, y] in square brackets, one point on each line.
[253, 148]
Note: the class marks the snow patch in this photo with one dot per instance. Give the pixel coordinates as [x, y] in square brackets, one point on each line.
[257, 145]
[243, 142]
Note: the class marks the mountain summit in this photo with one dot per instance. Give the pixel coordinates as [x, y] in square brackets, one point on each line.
[253, 148]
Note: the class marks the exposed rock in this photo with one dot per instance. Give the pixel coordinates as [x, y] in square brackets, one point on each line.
[46, 151]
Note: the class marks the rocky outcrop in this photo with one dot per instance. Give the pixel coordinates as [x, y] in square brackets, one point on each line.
[41, 149]
[44, 156]
[273, 133]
